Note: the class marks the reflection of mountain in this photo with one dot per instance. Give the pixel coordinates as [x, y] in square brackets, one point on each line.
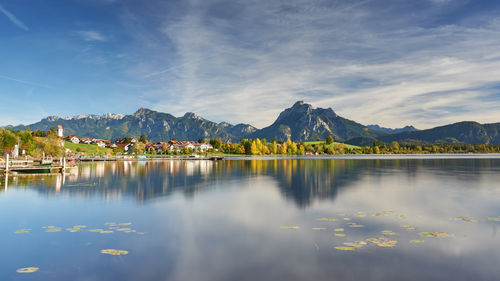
[299, 180]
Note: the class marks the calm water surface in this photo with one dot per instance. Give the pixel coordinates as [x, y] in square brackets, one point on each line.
[255, 220]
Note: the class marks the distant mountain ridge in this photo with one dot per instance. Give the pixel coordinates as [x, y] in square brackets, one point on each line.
[301, 122]
[157, 126]
[407, 128]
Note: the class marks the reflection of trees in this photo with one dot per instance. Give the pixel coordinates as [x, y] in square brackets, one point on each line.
[299, 180]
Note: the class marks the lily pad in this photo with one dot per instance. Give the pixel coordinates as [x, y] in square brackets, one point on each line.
[345, 248]
[360, 214]
[22, 231]
[124, 229]
[493, 219]
[27, 270]
[338, 229]
[347, 219]
[106, 231]
[114, 252]
[287, 227]
[96, 230]
[463, 218]
[110, 223]
[125, 223]
[327, 219]
[319, 228]
[356, 225]
[415, 241]
[435, 234]
[357, 244]
[409, 227]
[389, 232]
[53, 229]
[339, 234]
[383, 242]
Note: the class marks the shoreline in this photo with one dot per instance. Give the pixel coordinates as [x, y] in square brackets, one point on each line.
[314, 157]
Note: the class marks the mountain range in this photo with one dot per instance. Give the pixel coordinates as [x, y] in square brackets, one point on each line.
[301, 122]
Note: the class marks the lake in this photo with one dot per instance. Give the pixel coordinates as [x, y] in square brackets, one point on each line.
[288, 219]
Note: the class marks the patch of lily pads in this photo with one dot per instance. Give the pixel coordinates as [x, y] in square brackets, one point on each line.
[114, 252]
[435, 234]
[27, 270]
[463, 218]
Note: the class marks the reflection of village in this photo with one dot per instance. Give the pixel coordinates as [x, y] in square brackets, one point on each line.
[300, 180]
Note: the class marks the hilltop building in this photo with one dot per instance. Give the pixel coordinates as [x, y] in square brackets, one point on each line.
[60, 132]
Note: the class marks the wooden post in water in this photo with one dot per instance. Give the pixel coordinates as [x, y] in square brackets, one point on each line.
[64, 165]
[7, 164]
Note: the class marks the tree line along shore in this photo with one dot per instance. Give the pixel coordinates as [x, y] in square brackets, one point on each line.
[39, 144]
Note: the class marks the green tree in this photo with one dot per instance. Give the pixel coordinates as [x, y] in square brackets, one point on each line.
[216, 143]
[329, 140]
[138, 148]
[143, 139]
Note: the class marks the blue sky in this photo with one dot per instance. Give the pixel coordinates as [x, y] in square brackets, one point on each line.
[426, 63]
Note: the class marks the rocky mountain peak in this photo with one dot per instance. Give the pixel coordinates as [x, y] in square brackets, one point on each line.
[192, 115]
[142, 111]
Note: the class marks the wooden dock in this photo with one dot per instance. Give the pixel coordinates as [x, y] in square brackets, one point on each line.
[32, 167]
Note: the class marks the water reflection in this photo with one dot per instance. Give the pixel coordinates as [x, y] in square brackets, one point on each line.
[302, 181]
[222, 221]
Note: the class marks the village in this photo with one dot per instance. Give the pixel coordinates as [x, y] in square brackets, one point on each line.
[125, 145]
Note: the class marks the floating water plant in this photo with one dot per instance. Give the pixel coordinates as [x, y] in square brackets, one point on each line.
[290, 227]
[415, 241]
[319, 228]
[408, 227]
[110, 223]
[96, 230]
[356, 225]
[125, 223]
[22, 231]
[383, 242]
[389, 232]
[339, 234]
[493, 219]
[123, 229]
[360, 214]
[327, 219]
[338, 229]
[106, 231]
[435, 234]
[345, 248]
[357, 244]
[114, 252]
[52, 229]
[27, 270]
[463, 218]
[76, 228]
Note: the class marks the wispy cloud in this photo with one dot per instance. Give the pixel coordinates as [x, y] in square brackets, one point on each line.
[91, 35]
[24, 82]
[13, 18]
[368, 62]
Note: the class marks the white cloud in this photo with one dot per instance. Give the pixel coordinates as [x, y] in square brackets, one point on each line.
[13, 18]
[367, 62]
[91, 35]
